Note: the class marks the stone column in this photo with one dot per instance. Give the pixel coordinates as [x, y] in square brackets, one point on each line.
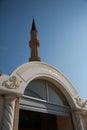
[1, 110]
[9, 108]
[79, 120]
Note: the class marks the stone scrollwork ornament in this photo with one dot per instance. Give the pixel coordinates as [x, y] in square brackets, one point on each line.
[12, 83]
[80, 102]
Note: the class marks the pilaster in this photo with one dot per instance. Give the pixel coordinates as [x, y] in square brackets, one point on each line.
[79, 120]
[16, 116]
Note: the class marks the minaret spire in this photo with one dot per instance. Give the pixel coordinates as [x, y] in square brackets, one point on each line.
[34, 43]
[33, 26]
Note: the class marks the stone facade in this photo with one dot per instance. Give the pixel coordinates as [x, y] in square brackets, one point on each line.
[13, 86]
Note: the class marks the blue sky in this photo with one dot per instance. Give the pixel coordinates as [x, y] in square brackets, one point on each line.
[62, 32]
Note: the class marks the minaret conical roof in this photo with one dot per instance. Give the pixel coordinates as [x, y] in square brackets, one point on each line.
[33, 28]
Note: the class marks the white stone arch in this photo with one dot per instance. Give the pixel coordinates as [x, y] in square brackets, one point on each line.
[32, 70]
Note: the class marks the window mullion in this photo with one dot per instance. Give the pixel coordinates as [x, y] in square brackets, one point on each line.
[47, 93]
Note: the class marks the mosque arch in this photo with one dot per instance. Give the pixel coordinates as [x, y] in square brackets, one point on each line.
[38, 70]
[33, 103]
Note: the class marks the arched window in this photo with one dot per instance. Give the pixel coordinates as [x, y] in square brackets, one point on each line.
[45, 90]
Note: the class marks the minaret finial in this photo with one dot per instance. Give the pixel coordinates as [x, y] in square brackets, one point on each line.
[34, 43]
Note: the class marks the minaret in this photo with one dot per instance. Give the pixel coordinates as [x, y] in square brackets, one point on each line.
[34, 43]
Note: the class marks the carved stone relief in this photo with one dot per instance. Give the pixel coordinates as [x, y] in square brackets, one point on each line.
[81, 102]
[12, 83]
